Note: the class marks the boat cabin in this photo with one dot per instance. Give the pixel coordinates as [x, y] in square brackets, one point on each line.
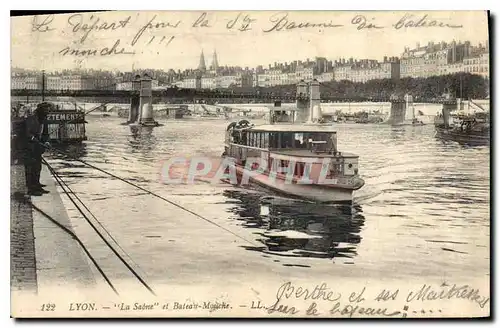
[282, 144]
[270, 138]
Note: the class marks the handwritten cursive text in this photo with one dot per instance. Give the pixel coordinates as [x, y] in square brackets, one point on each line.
[152, 25]
[320, 292]
[351, 310]
[94, 24]
[445, 291]
[242, 23]
[361, 23]
[281, 22]
[409, 20]
[105, 51]
[44, 25]
[201, 21]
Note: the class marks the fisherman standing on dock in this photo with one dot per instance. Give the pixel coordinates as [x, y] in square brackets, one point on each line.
[37, 142]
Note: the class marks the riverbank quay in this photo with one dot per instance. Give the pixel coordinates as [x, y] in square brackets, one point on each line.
[43, 254]
[60, 260]
[23, 277]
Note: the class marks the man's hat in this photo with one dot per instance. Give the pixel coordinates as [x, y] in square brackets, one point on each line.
[44, 107]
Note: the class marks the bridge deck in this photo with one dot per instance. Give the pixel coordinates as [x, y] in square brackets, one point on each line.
[193, 94]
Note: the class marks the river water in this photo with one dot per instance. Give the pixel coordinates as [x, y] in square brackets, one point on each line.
[424, 209]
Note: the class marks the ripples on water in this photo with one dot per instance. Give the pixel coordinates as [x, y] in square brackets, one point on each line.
[424, 200]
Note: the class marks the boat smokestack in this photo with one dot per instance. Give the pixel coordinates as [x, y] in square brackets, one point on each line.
[448, 107]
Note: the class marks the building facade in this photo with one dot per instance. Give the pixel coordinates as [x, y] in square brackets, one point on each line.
[26, 82]
[434, 59]
[479, 64]
[366, 69]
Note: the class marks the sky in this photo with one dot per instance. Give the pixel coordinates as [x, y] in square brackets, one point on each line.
[167, 39]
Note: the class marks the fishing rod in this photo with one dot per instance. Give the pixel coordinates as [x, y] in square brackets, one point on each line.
[79, 115]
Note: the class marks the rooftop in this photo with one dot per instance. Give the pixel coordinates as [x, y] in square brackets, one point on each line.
[309, 153]
[298, 127]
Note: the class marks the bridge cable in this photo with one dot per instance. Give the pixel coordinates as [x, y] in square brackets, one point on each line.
[63, 185]
[155, 195]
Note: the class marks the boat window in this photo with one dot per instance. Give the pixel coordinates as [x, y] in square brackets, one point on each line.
[273, 140]
[287, 140]
[284, 166]
[250, 139]
[299, 169]
[266, 140]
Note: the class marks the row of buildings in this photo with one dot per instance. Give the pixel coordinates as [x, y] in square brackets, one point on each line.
[441, 59]
[72, 82]
[422, 61]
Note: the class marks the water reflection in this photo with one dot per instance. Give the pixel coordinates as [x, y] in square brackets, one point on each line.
[142, 138]
[298, 229]
[68, 151]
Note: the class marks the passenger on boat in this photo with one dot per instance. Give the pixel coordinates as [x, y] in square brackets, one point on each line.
[332, 143]
[236, 136]
[243, 138]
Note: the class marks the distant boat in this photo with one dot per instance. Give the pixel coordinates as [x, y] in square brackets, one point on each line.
[464, 127]
[468, 129]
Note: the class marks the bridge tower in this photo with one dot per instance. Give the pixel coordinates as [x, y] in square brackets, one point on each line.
[303, 102]
[314, 101]
[133, 114]
[146, 102]
[410, 107]
[398, 110]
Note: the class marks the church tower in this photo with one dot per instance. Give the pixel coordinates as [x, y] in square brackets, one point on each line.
[215, 62]
[202, 66]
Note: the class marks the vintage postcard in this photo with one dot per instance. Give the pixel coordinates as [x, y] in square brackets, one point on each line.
[250, 164]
